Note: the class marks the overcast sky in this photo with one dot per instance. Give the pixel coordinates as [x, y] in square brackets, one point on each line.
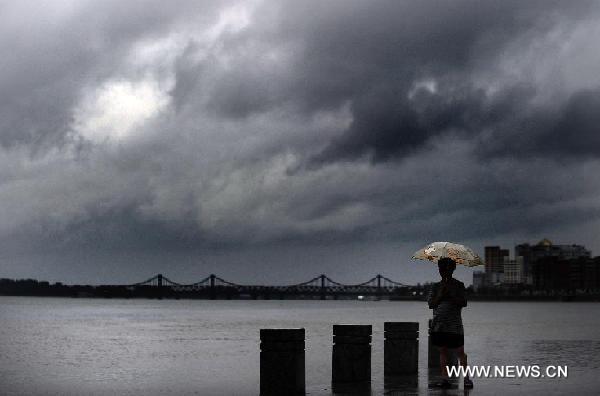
[271, 141]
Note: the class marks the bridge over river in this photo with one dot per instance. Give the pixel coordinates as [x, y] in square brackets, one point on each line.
[323, 287]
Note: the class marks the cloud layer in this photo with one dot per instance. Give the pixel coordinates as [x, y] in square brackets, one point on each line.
[231, 126]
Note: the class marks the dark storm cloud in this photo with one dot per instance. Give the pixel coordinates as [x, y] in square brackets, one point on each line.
[451, 49]
[577, 126]
[375, 55]
[388, 124]
[162, 128]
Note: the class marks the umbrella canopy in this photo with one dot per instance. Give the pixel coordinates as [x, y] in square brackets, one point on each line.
[459, 253]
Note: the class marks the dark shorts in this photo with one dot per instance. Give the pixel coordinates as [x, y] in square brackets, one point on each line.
[448, 340]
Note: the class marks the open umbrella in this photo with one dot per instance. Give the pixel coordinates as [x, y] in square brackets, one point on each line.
[459, 253]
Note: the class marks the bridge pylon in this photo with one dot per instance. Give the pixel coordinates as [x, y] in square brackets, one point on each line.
[323, 287]
[213, 292]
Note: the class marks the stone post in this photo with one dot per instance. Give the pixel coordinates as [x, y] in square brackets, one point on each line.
[351, 358]
[401, 348]
[282, 362]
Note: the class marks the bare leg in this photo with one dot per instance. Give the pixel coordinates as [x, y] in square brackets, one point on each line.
[463, 362]
[444, 361]
[462, 356]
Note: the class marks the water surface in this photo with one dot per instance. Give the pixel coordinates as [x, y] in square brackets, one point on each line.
[55, 346]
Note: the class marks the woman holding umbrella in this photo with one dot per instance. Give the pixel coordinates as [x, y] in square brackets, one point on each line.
[447, 298]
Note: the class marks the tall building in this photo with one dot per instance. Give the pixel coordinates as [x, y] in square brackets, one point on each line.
[494, 265]
[544, 249]
[554, 273]
[513, 271]
[494, 259]
[543, 265]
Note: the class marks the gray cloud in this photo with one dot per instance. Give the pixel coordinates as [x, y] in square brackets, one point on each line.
[230, 127]
[64, 48]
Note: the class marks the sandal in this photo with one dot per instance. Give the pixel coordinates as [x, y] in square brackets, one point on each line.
[443, 384]
[468, 384]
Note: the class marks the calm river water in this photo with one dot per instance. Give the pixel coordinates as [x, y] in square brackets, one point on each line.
[53, 346]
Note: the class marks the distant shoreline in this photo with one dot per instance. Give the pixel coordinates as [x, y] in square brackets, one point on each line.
[564, 298]
[230, 291]
[472, 298]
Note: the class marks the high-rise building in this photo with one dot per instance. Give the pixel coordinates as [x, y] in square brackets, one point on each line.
[494, 259]
[542, 265]
[494, 265]
[554, 273]
[513, 271]
[545, 248]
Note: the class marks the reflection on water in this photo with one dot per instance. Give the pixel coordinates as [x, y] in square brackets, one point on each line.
[401, 385]
[148, 347]
[580, 354]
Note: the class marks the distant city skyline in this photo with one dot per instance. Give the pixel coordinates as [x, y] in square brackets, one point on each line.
[537, 265]
[278, 140]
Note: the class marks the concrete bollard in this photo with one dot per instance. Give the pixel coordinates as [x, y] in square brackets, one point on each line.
[282, 362]
[351, 358]
[401, 348]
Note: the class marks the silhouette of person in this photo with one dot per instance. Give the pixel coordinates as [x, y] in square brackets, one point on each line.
[447, 298]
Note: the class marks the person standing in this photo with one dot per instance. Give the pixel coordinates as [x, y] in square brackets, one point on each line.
[447, 298]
